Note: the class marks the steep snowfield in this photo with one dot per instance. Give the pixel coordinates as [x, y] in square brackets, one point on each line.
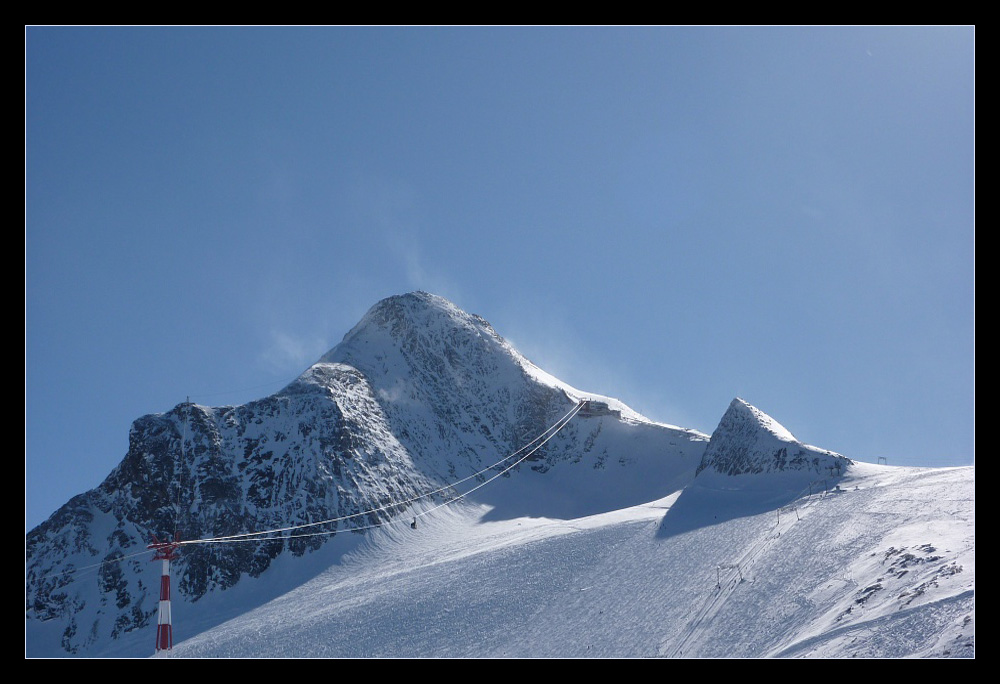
[883, 568]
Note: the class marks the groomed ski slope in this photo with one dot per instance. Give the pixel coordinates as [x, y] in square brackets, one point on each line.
[883, 568]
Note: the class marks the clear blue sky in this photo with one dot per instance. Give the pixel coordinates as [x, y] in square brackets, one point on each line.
[671, 216]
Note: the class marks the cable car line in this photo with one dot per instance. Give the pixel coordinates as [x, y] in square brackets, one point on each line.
[92, 566]
[545, 436]
[534, 445]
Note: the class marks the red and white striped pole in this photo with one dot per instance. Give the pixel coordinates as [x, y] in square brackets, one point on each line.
[166, 552]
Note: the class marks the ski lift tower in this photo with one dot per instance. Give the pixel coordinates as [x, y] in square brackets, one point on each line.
[166, 552]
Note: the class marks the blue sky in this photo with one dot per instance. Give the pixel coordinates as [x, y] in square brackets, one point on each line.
[671, 216]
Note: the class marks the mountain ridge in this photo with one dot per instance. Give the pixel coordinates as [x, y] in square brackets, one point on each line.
[417, 396]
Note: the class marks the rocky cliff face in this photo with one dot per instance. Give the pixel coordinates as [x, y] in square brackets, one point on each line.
[418, 395]
[748, 441]
[301, 456]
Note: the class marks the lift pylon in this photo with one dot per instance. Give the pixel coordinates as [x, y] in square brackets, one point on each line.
[165, 551]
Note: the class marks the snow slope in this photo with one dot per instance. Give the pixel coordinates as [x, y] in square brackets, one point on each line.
[883, 568]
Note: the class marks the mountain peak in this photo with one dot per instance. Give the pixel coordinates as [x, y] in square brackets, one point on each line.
[409, 321]
[741, 410]
[748, 441]
[417, 306]
[410, 304]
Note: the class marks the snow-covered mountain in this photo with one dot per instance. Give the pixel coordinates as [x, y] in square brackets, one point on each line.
[608, 539]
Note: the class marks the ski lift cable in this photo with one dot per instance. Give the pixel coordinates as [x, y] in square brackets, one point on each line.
[573, 413]
[258, 536]
[92, 566]
[559, 425]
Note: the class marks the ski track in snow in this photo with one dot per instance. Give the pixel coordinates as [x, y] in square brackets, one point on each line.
[607, 586]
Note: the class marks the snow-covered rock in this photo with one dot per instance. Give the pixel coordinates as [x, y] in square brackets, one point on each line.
[748, 441]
